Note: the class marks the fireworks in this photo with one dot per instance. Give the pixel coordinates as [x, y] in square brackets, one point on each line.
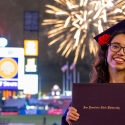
[76, 20]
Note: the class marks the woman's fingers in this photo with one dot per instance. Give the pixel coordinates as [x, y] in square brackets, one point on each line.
[69, 118]
[73, 111]
[72, 115]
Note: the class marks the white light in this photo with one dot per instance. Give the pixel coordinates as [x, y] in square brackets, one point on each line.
[27, 107]
[3, 42]
[55, 87]
[45, 97]
[57, 93]
[32, 107]
[53, 93]
[118, 10]
[46, 107]
[31, 84]
[31, 65]
[3, 98]
[68, 93]
[109, 4]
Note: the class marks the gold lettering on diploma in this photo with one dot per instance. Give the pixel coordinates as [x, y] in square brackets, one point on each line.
[102, 107]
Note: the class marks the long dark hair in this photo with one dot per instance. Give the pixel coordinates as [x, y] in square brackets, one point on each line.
[100, 73]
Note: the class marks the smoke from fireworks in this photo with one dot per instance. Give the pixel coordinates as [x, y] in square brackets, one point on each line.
[76, 19]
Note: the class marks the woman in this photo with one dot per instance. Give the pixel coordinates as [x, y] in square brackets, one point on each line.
[109, 65]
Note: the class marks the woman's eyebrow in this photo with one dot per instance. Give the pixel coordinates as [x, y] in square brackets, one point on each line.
[116, 43]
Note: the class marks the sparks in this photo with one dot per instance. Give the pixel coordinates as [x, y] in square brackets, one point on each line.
[76, 20]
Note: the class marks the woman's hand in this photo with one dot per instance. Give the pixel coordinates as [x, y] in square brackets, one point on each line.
[72, 115]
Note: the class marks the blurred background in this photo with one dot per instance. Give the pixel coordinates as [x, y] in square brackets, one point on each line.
[45, 47]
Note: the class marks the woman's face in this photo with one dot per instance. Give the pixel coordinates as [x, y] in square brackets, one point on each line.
[116, 60]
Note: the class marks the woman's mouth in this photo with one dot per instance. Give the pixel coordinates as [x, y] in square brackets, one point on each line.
[119, 60]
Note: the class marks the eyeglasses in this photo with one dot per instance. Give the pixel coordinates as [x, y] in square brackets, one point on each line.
[114, 47]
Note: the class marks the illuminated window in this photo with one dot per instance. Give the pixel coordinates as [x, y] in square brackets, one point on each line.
[31, 65]
[31, 47]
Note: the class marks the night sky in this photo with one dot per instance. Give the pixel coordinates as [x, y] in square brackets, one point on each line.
[49, 62]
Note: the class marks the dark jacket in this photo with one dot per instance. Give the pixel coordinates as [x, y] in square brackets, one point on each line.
[63, 121]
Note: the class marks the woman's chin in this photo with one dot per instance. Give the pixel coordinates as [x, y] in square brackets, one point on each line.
[119, 68]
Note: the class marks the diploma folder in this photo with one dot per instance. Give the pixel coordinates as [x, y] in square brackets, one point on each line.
[99, 104]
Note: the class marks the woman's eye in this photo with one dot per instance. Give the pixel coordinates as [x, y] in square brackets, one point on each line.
[115, 46]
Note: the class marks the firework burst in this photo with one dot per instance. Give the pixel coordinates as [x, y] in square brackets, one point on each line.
[76, 19]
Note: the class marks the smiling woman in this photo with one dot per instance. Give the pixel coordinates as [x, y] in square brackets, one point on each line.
[109, 64]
